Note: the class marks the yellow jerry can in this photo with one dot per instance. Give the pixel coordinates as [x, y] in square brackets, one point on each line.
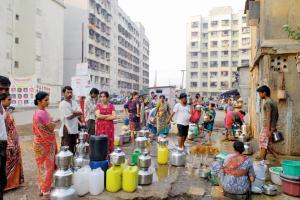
[114, 179]
[130, 179]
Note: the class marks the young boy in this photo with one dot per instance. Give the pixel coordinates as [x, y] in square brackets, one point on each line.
[209, 125]
[183, 114]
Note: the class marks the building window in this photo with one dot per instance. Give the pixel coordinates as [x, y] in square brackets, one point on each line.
[195, 24]
[245, 30]
[213, 74]
[224, 53]
[194, 44]
[235, 33]
[214, 23]
[205, 25]
[225, 22]
[194, 74]
[38, 34]
[16, 64]
[204, 93]
[225, 43]
[224, 84]
[214, 43]
[235, 63]
[194, 34]
[244, 51]
[204, 55]
[214, 33]
[17, 40]
[205, 35]
[194, 64]
[204, 74]
[234, 43]
[235, 22]
[213, 63]
[224, 64]
[17, 17]
[194, 84]
[213, 84]
[225, 33]
[244, 19]
[38, 58]
[245, 41]
[224, 73]
[194, 54]
[245, 62]
[204, 84]
[213, 53]
[205, 64]
[204, 45]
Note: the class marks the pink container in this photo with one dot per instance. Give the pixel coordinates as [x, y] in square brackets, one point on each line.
[291, 187]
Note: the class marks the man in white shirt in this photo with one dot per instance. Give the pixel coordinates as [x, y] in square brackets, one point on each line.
[4, 88]
[89, 110]
[69, 115]
[183, 114]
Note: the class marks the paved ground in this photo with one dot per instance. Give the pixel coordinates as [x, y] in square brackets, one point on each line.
[169, 182]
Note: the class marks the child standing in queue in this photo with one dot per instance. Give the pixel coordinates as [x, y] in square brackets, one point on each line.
[209, 124]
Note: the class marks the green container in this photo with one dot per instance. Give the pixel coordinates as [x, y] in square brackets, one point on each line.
[291, 167]
[135, 157]
[213, 179]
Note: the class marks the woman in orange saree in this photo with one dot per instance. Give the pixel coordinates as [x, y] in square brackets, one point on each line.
[14, 169]
[44, 144]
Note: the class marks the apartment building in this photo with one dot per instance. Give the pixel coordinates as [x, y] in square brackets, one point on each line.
[116, 49]
[216, 45]
[31, 37]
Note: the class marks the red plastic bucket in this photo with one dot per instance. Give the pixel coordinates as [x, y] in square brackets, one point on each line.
[291, 187]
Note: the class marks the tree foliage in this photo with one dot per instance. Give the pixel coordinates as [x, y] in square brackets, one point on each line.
[293, 33]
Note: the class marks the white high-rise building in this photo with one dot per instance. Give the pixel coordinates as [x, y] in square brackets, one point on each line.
[99, 32]
[31, 38]
[216, 45]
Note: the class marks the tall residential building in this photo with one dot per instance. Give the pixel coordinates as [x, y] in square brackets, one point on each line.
[31, 37]
[116, 49]
[216, 46]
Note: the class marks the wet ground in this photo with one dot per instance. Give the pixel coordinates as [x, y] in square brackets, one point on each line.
[176, 183]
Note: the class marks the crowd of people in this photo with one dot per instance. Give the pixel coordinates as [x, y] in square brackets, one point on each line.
[98, 115]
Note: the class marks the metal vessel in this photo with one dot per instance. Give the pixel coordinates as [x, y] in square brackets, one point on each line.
[63, 176]
[117, 157]
[277, 136]
[178, 158]
[141, 141]
[242, 138]
[145, 173]
[248, 148]
[145, 176]
[204, 172]
[81, 157]
[64, 158]
[64, 194]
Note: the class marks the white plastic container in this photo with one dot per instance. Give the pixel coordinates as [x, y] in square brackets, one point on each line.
[275, 175]
[81, 180]
[96, 181]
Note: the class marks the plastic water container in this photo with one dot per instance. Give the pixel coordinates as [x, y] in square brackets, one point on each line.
[100, 164]
[130, 179]
[81, 180]
[162, 155]
[114, 179]
[96, 181]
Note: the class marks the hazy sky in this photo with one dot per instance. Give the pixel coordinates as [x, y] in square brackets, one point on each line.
[165, 24]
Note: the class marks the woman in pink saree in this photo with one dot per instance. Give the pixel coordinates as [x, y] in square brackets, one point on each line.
[44, 144]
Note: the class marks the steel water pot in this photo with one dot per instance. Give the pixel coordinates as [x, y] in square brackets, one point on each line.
[64, 158]
[64, 194]
[145, 176]
[63, 178]
[248, 148]
[178, 158]
[144, 160]
[277, 136]
[117, 157]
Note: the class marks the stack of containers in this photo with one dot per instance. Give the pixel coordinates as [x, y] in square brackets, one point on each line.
[63, 176]
[98, 152]
[114, 174]
[290, 177]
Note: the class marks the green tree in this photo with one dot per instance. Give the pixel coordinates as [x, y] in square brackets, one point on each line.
[293, 33]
